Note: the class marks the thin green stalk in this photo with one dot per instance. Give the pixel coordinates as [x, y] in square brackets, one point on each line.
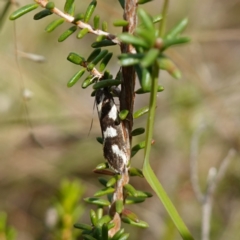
[162, 23]
[151, 115]
[147, 170]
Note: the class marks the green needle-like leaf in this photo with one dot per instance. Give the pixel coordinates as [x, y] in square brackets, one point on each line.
[75, 58]
[100, 140]
[144, 194]
[111, 181]
[105, 62]
[138, 131]
[147, 24]
[106, 83]
[120, 23]
[134, 200]
[136, 41]
[50, 5]
[75, 78]
[135, 172]
[96, 21]
[118, 234]
[67, 33]
[88, 237]
[140, 112]
[53, 25]
[168, 65]
[104, 26]
[179, 28]
[144, 77]
[144, 34]
[102, 166]
[105, 232]
[88, 81]
[130, 215]
[140, 224]
[119, 206]
[83, 226]
[123, 114]
[69, 4]
[23, 10]
[144, 1]
[90, 11]
[141, 91]
[110, 225]
[130, 189]
[79, 17]
[104, 219]
[97, 201]
[137, 147]
[122, 3]
[93, 217]
[103, 181]
[99, 57]
[174, 41]
[103, 43]
[104, 191]
[99, 213]
[82, 33]
[44, 13]
[128, 61]
[149, 58]
[93, 54]
[157, 18]
[124, 236]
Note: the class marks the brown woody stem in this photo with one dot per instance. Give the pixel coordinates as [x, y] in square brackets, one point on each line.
[126, 103]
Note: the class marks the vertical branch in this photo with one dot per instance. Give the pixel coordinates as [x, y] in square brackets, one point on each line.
[126, 103]
[128, 73]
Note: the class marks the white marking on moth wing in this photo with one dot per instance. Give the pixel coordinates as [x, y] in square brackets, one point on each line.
[110, 132]
[113, 112]
[99, 105]
[119, 153]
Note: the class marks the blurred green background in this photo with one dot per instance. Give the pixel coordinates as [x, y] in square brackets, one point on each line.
[50, 141]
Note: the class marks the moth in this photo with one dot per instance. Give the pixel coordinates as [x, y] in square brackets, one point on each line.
[114, 147]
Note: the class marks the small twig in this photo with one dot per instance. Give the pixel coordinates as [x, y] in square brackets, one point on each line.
[79, 23]
[207, 206]
[214, 179]
[221, 171]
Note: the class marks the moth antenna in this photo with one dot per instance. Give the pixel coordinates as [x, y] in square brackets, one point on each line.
[91, 125]
[25, 94]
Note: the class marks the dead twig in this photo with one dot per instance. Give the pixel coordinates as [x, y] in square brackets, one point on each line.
[214, 177]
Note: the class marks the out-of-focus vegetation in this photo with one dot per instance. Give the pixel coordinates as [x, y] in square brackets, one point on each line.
[65, 211]
[48, 142]
[6, 232]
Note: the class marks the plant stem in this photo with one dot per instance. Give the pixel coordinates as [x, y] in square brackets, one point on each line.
[162, 23]
[151, 114]
[147, 170]
[153, 94]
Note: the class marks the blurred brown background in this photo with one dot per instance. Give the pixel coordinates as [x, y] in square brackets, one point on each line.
[49, 141]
